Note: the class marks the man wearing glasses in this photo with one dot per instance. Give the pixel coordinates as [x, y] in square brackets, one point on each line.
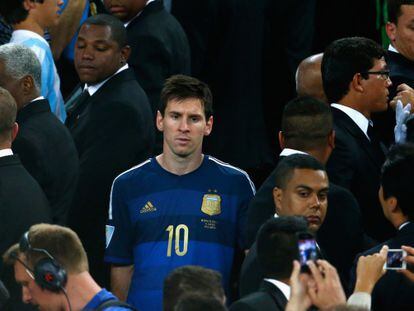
[356, 81]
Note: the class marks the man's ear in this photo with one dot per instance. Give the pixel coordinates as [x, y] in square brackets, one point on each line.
[209, 126]
[159, 121]
[125, 53]
[29, 4]
[282, 142]
[356, 83]
[391, 29]
[15, 130]
[392, 204]
[277, 199]
[27, 84]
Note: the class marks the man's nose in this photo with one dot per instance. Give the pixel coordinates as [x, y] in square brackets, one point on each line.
[26, 296]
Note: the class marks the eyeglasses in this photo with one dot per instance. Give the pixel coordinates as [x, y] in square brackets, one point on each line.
[385, 74]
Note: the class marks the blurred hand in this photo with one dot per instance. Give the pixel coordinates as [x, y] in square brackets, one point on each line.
[401, 115]
[405, 94]
[369, 270]
[299, 299]
[325, 288]
[409, 259]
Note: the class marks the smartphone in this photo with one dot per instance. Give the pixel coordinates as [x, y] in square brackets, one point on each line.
[395, 259]
[308, 250]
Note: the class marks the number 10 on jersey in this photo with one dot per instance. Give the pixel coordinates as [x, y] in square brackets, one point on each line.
[180, 236]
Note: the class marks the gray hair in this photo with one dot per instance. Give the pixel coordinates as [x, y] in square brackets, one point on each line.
[20, 61]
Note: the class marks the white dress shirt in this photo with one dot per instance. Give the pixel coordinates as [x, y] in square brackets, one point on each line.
[284, 288]
[359, 119]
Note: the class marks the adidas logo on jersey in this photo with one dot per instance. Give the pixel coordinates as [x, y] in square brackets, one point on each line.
[148, 208]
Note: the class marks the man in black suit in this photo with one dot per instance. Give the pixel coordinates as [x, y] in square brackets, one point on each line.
[301, 189]
[307, 127]
[43, 143]
[277, 247]
[393, 291]
[22, 201]
[111, 124]
[356, 81]
[159, 46]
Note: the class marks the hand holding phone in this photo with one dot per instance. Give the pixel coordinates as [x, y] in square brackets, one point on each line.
[395, 259]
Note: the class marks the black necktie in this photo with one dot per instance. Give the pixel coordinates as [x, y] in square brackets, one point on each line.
[80, 104]
[371, 133]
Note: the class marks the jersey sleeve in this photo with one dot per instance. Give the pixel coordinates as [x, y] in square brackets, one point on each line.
[119, 229]
[247, 191]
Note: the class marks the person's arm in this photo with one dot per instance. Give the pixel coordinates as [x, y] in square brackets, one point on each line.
[325, 290]
[63, 32]
[370, 270]
[120, 280]
[299, 299]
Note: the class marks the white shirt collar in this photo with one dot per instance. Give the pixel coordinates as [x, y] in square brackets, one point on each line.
[128, 22]
[284, 288]
[92, 89]
[37, 98]
[287, 152]
[360, 120]
[403, 225]
[392, 49]
[5, 152]
[22, 34]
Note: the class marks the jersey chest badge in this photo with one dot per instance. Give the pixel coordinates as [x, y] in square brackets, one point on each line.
[211, 204]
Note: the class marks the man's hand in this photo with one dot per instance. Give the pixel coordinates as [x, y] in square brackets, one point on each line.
[369, 270]
[405, 94]
[325, 289]
[299, 299]
[401, 115]
[409, 259]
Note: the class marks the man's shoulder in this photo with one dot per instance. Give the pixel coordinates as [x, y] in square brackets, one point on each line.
[136, 172]
[226, 168]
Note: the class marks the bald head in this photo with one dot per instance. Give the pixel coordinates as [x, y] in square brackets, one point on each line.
[309, 78]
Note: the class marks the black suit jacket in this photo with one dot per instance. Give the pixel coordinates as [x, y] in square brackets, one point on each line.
[48, 152]
[393, 291]
[355, 164]
[22, 204]
[341, 235]
[159, 49]
[268, 297]
[114, 132]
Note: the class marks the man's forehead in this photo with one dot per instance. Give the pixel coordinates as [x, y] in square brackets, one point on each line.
[96, 32]
[309, 177]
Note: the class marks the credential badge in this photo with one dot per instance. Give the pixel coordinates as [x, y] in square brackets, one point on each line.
[211, 204]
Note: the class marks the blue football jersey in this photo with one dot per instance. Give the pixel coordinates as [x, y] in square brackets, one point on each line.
[159, 221]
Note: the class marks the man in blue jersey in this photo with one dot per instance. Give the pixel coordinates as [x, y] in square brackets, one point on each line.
[51, 266]
[179, 208]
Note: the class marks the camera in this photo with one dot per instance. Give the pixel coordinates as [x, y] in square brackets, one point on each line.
[395, 259]
[308, 250]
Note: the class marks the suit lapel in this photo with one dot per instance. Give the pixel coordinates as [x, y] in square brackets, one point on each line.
[342, 120]
[276, 294]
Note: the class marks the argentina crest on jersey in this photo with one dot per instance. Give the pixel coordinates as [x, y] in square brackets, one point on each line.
[211, 204]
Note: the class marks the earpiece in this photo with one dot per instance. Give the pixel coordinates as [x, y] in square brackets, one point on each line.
[48, 273]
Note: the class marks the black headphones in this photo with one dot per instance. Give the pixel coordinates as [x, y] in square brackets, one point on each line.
[47, 272]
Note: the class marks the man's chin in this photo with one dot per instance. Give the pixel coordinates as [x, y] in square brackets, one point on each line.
[313, 228]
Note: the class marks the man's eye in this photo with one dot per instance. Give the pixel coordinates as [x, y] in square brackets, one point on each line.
[195, 119]
[101, 48]
[303, 194]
